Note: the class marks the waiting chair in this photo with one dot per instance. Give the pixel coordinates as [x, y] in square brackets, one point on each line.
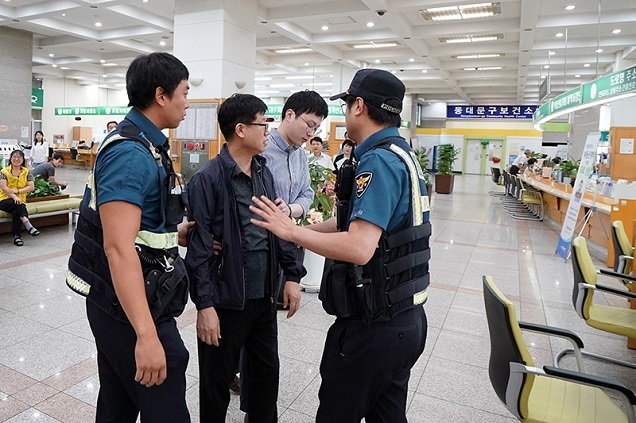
[623, 251]
[498, 179]
[547, 394]
[616, 320]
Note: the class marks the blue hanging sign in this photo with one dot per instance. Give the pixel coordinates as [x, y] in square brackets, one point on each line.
[490, 112]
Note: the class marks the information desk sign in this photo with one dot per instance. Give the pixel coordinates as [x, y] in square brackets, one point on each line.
[582, 179]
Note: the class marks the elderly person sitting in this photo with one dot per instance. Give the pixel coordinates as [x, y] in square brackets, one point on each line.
[15, 182]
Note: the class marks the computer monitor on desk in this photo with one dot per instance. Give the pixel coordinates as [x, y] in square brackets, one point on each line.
[74, 144]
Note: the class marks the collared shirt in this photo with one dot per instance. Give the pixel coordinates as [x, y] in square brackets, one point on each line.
[520, 160]
[289, 166]
[382, 193]
[126, 171]
[323, 160]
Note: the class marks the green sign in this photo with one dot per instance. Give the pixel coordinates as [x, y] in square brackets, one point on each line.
[609, 86]
[556, 127]
[37, 98]
[276, 110]
[91, 111]
[593, 93]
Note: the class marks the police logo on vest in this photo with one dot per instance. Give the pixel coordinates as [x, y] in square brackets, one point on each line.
[363, 181]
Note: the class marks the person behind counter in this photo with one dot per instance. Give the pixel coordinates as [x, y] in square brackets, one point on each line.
[15, 182]
[40, 149]
[46, 170]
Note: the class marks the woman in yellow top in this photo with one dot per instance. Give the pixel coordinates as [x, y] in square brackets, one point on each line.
[15, 182]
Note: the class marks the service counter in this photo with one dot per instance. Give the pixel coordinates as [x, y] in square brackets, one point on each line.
[556, 199]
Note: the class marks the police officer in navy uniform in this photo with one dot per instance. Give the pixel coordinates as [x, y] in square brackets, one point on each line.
[380, 243]
[125, 255]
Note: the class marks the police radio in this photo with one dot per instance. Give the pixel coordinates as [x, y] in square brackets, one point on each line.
[345, 181]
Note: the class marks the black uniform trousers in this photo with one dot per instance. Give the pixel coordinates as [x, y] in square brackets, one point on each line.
[120, 398]
[365, 370]
[254, 328]
[17, 211]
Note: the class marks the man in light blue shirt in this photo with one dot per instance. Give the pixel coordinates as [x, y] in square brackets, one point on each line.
[302, 115]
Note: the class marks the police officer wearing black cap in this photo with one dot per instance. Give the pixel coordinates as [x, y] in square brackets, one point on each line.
[380, 244]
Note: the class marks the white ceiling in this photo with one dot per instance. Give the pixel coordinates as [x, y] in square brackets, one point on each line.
[66, 29]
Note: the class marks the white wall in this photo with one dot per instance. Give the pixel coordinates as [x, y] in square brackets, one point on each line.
[516, 146]
[67, 93]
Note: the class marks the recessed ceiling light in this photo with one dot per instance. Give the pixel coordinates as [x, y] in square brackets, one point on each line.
[298, 77]
[325, 28]
[393, 72]
[306, 63]
[558, 34]
[587, 65]
[372, 44]
[54, 65]
[64, 68]
[478, 56]
[546, 66]
[570, 7]
[552, 53]
[104, 76]
[577, 76]
[144, 1]
[293, 50]
[263, 78]
[424, 71]
[616, 31]
[51, 55]
[162, 43]
[63, 14]
[98, 24]
[411, 60]
[282, 85]
[370, 24]
[102, 61]
[598, 50]
[377, 60]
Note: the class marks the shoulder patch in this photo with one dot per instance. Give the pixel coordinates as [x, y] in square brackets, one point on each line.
[363, 181]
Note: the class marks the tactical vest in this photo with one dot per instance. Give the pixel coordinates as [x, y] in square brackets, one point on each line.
[163, 269]
[396, 277]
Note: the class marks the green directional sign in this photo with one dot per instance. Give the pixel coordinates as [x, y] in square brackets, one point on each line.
[91, 111]
[609, 86]
[37, 98]
[598, 91]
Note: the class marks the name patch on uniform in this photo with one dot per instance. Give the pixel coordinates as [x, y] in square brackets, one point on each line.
[362, 182]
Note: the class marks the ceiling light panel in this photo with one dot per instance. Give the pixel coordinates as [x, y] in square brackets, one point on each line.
[467, 11]
[471, 38]
[479, 56]
[293, 50]
[372, 44]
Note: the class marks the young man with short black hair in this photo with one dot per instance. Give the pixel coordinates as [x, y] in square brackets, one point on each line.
[125, 255]
[46, 170]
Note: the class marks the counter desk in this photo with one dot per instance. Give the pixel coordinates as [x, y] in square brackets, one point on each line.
[556, 199]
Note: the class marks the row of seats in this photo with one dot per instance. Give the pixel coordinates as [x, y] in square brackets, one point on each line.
[550, 393]
[522, 202]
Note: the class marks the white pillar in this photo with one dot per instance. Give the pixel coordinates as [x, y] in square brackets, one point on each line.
[216, 40]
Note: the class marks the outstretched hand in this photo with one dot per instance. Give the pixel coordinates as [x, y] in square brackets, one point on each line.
[272, 218]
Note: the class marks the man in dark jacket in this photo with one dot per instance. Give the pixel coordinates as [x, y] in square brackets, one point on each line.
[234, 291]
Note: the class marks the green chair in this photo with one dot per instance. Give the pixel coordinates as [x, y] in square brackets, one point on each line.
[547, 394]
[616, 320]
[623, 251]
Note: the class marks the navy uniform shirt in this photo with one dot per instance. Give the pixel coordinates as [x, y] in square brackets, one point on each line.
[126, 171]
[382, 194]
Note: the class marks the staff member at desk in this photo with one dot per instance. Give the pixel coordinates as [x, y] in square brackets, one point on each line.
[46, 170]
[519, 162]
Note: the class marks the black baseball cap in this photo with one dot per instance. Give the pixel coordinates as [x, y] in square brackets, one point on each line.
[377, 87]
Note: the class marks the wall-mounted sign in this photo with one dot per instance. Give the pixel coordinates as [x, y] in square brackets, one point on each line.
[92, 111]
[37, 98]
[490, 112]
[544, 88]
[617, 84]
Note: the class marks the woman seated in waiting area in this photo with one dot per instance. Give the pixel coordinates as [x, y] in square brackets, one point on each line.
[15, 182]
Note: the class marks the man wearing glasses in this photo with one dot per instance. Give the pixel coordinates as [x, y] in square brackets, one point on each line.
[233, 291]
[302, 115]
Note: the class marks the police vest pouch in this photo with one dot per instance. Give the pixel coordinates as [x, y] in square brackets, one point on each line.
[335, 291]
[176, 199]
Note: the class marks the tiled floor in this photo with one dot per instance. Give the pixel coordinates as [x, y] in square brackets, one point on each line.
[47, 363]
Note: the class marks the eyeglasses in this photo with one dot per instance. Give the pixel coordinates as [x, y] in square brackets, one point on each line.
[264, 125]
[311, 130]
[343, 106]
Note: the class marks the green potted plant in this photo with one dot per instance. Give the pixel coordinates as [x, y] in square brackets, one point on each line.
[422, 159]
[569, 168]
[444, 178]
[43, 189]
